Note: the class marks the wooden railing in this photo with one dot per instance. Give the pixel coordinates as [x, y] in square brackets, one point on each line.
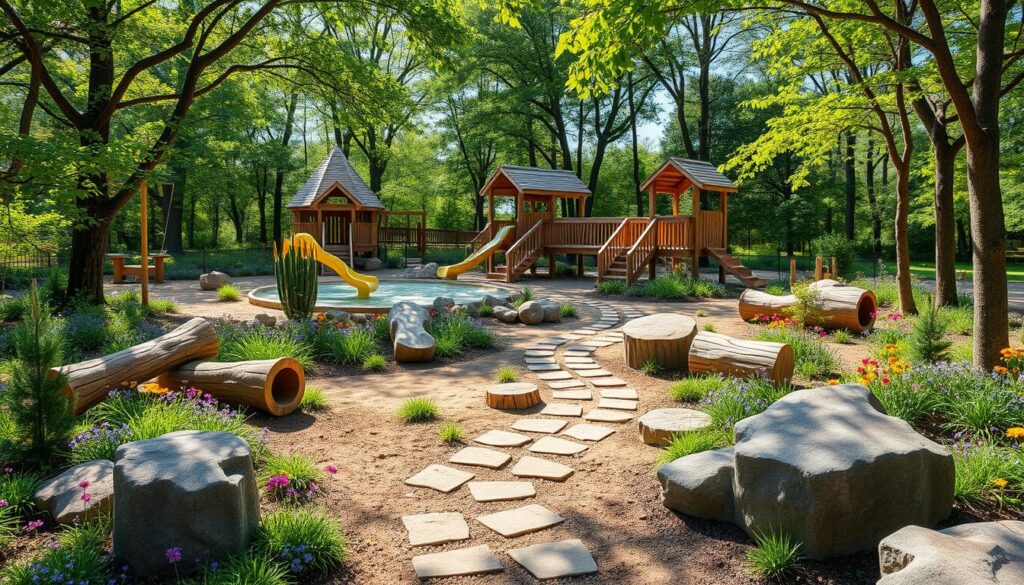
[364, 234]
[710, 229]
[517, 257]
[580, 231]
[441, 237]
[641, 253]
[675, 234]
[488, 232]
[620, 240]
[307, 227]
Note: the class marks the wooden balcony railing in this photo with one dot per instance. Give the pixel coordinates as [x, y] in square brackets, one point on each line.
[675, 234]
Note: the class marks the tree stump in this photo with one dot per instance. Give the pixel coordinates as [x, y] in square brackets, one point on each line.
[88, 382]
[721, 354]
[663, 338]
[840, 306]
[273, 386]
[513, 396]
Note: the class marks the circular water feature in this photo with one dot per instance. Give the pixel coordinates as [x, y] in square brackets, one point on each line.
[339, 295]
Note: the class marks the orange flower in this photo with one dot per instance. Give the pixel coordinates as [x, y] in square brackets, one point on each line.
[833, 382]
[1000, 483]
[1015, 432]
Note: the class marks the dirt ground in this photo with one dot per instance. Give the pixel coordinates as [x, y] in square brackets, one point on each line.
[612, 502]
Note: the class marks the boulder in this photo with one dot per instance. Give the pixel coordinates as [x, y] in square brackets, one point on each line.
[81, 493]
[213, 280]
[265, 320]
[428, 270]
[338, 315]
[505, 314]
[410, 339]
[472, 309]
[552, 312]
[443, 303]
[372, 264]
[700, 485]
[531, 313]
[359, 318]
[982, 553]
[494, 301]
[829, 468]
[191, 490]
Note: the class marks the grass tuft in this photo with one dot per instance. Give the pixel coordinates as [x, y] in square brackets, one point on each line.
[695, 389]
[229, 293]
[506, 374]
[375, 363]
[688, 443]
[650, 368]
[450, 433]
[417, 410]
[776, 556]
[315, 400]
[568, 311]
[304, 541]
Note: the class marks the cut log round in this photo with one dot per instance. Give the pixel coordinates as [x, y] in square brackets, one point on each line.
[513, 396]
[412, 343]
[721, 354]
[841, 306]
[663, 338]
[273, 386]
[88, 382]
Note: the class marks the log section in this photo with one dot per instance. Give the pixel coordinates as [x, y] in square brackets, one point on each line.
[88, 382]
[273, 386]
[841, 306]
[513, 396]
[721, 354]
[663, 338]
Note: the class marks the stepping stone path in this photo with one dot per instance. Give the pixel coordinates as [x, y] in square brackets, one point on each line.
[658, 426]
[570, 376]
[520, 521]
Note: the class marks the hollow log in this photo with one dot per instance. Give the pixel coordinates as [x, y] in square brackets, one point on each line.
[88, 382]
[721, 354]
[273, 386]
[513, 396]
[841, 306]
[663, 338]
[412, 343]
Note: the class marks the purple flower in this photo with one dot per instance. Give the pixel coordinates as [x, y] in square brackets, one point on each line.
[277, 482]
[33, 525]
[173, 555]
[86, 497]
[331, 469]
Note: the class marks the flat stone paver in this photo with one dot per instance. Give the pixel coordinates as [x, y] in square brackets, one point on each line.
[616, 404]
[555, 560]
[612, 340]
[539, 425]
[566, 384]
[598, 373]
[594, 343]
[541, 468]
[539, 353]
[580, 348]
[620, 393]
[613, 416]
[608, 382]
[658, 426]
[475, 560]
[587, 432]
[543, 347]
[578, 367]
[577, 353]
[520, 521]
[558, 409]
[540, 360]
[501, 491]
[440, 477]
[435, 528]
[480, 457]
[584, 332]
[582, 394]
[543, 367]
[547, 376]
[554, 446]
[556, 340]
[502, 439]
[578, 360]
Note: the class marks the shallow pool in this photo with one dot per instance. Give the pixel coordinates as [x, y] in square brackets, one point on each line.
[338, 295]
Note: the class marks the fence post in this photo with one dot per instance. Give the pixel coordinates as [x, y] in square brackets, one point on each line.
[778, 265]
[204, 259]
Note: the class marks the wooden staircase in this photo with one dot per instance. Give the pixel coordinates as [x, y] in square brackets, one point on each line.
[617, 268]
[735, 267]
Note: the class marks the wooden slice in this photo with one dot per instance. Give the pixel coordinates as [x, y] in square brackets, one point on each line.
[663, 338]
[513, 396]
[717, 353]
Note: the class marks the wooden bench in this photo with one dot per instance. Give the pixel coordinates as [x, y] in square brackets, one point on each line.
[121, 269]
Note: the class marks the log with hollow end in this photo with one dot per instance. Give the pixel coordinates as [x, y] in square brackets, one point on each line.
[721, 354]
[840, 306]
[273, 386]
[89, 382]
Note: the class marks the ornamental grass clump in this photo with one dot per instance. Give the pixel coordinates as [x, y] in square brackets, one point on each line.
[229, 293]
[454, 334]
[738, 399]
[812, 358]
[506, 374]
[568, 311]
[690, 442]
[292, 478]
[375, 363]
[450, 433]
[987, 475]
[314, 400]
[696, 388]
[248, 569]
[17, 489]
[776, 556]
[418, 410]
[611, 287]
[303, 541]
[242, 343]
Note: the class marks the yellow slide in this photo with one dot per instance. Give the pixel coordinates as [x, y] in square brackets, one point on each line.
[363, 283]
[453, 271]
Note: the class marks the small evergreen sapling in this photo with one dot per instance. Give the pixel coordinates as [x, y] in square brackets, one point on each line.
[35, 399]
[928, 341]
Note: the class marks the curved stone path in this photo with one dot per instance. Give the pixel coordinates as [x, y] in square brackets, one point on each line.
[565, 365]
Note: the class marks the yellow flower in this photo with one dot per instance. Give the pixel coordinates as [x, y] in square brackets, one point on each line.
[153, 388]
[1015, 432]
[833, 382]
[1000, 483]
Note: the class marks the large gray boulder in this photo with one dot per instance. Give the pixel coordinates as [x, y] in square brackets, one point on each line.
[443, 303]
[829, 468]
[983, 553]
[700, 485]
[372, 264]
[531, 313]
[552, 312]
[81, 493]
[494, 301]
[428, 270]
[213, 280]
[505, 314]
[191, 490]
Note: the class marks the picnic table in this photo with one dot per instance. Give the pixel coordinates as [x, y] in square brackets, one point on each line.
[121, 269]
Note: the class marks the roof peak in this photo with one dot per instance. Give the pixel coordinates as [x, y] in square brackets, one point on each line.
[335, 169]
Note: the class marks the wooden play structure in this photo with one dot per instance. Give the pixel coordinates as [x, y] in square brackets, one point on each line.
[273, 386]
[625, 247]
[840, 306]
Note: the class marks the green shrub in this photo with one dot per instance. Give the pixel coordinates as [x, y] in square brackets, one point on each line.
[676, 286]
[694, 389]
[83, 332]
[506, 375]
[229, 293]
[8, 526]
[380, 329]
[344, 347]
[740, 398]
[776, 556]
[568, 311]
[709, 327]
[834, 244]
[486, 310]
[526, 294]
[777, 287]
[13, 309]
[700, 313]
[450, 433]
[842, 336]
[987, 474]
[302, 473]
[17, 489]
[163, 306]
[454, 334]
[958, 320]
[250, 569]
[261, 343]
[447, 347]
[928, 343]
[54, 289]
[688, 443]
[906, 398]
[315, 400]
[813, 359]
[79, 564]
[611, 287]
[418, 410]
[130, 299]
[375, 363]
[650, 368]
[304, 541]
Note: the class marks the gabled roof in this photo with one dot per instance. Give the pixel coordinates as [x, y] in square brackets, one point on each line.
[335, 172]
[533, 179]
[702, 174]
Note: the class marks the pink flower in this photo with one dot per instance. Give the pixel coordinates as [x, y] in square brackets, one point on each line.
[331, 469]
[86, 497]
[84, 484]
[3, 503]
[33, 525]
[277, 482]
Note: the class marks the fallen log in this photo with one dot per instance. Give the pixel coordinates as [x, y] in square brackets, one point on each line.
[273, 386]
[663, 338]
[88, 382]
[721, 354]
[840, 306]
[406, 323]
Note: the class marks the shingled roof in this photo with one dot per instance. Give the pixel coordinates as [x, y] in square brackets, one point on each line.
[335, 171]
[701, 173]
[527, 179]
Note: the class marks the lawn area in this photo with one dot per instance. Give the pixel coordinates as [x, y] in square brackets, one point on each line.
[1014, 272]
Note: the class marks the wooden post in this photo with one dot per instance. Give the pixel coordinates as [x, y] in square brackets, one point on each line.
[792, 272]
[835, 265]
[818, 270]
[652, 196]
[490, 222]
[675, 204]
[721, 274]
[579, 265]
[552, 265]
[724, 202]
[144, 219]
[697, 241]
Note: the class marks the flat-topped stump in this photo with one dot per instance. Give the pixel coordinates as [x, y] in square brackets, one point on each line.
[513, 396]
[663, 339]
[658, 426]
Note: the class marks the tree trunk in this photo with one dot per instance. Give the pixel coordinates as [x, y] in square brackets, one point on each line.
[636, 151]
[172, 207]
[945, 242]
[279, 174]
[191, 224]
[903, 277]
[88, 249]
[849, 165]
[261, 202]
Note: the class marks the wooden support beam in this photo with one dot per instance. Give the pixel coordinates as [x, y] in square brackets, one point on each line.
[144, 220]
[580, 270]
[695, 249]
[652, 203]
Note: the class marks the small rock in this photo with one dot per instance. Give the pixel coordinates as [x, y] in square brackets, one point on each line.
[980, 553]
[359, 318]
[373, 264]
[473, 309]
[531, 313]
[213, 280]
[338, 315]
[700, 485]
[552, 312]
[62, 496]
[505, 315]
[494, 301]
[443, 303]
[428, 270]
[265, 320]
